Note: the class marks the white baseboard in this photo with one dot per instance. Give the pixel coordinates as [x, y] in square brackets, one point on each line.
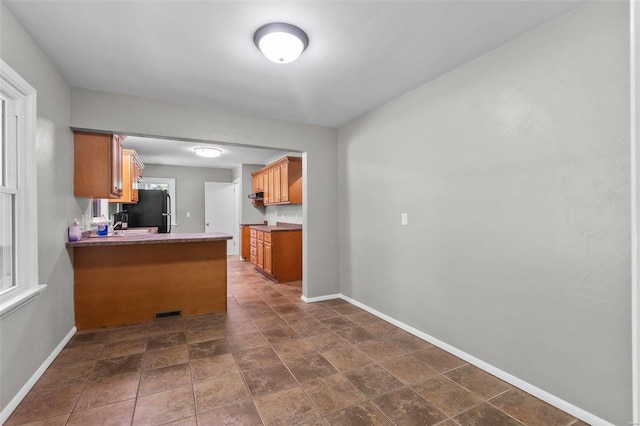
[513, 380]
[13, 404]
[321, 298]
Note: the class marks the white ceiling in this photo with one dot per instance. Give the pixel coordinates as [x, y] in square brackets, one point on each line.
[361, 54]
[180, 153]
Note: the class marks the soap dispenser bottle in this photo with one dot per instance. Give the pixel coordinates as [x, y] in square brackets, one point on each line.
[103, 226]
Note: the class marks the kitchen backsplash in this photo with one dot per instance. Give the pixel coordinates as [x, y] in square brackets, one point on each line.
[291, 213]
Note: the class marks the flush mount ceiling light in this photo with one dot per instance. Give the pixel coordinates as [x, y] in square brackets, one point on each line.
[206, 151]
[281, 43]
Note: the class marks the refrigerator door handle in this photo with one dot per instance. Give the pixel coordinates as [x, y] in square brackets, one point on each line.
[168, 214]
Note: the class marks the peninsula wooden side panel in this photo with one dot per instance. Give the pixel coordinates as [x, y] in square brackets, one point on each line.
[129, 284]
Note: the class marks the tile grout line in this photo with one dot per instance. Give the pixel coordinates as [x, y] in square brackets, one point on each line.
[144, 356]
[256, 292]
[95, 364]
[244, 380]
[283, 362]
[322, 415]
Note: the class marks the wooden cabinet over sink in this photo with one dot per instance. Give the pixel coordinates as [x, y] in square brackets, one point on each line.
[97, 165]
[281, 181]
[132, 168]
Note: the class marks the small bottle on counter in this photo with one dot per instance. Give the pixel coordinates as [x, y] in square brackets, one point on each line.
[103, 227]
[75, 231]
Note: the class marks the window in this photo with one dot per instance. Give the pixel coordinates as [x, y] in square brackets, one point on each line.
[168, 184]
[99, 208]
[18, 235]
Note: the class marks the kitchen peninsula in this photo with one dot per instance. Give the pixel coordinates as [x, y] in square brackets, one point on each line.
[137, 277]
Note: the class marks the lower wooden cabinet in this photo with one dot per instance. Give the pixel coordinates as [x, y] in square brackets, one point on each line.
[268, 258]
[253, 242]
[278, 253]
[247, 250]
[260, 256]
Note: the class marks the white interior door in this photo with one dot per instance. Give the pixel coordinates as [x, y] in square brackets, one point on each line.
[236, 219]
[219, 211]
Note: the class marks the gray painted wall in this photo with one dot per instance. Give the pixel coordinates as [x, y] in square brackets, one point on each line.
[248, 213]
[290, 213]
[189, 191]
[29, 335]
[514, 172]
[522, 179]
[131, 115]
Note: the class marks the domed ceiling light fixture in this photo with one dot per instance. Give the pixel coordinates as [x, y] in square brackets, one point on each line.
[281, 43]
[207, 151]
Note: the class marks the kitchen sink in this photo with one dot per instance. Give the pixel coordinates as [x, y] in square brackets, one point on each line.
[125, 232]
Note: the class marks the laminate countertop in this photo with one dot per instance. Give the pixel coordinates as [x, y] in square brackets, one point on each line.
[126, 240]
[276, 228]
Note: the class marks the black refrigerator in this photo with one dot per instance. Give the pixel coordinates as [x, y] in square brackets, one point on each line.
[153, 209]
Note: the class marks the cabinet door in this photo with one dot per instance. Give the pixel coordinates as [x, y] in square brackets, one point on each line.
[284, 182]
[97, 165]
[246, 239]
[260, 256]
[116, 164]
[269, 186]
[268, 260]
[276, 184]
[258, 183]
[266, 189]
[128, 173]
[253, 248]
[136, 176]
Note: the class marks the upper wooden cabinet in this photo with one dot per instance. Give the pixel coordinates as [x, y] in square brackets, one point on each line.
[131, 176]
[258, 182]
[98, 165]
[281, 181]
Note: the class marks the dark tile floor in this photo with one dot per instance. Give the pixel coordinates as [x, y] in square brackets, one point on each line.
[273, 360]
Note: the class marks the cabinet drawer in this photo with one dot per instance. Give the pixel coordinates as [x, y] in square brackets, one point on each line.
[260, 236]
[253, 233]
[253, 242]
[267, 237]
[253, 251]
[253, 259]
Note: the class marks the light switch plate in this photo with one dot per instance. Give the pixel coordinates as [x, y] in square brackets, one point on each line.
[405, 219]
[188, 214]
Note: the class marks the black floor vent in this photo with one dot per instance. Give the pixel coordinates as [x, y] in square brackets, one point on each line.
[168, 314]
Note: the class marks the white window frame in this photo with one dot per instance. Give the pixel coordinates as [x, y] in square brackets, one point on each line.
[104, 210]
[172, 193]
[22, 96]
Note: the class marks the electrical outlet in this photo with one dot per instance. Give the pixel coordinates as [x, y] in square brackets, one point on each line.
[405, 219]
[188, 214]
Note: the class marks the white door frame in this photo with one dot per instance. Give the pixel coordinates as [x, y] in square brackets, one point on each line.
[236, 217]
[634, 27]
[227, 222]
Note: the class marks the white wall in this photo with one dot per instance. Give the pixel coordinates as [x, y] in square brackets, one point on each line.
[514, 171]
[249, 214]
[189, 191]
[29, 335]
[290, 213]
[635, 126]
[137, 116]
